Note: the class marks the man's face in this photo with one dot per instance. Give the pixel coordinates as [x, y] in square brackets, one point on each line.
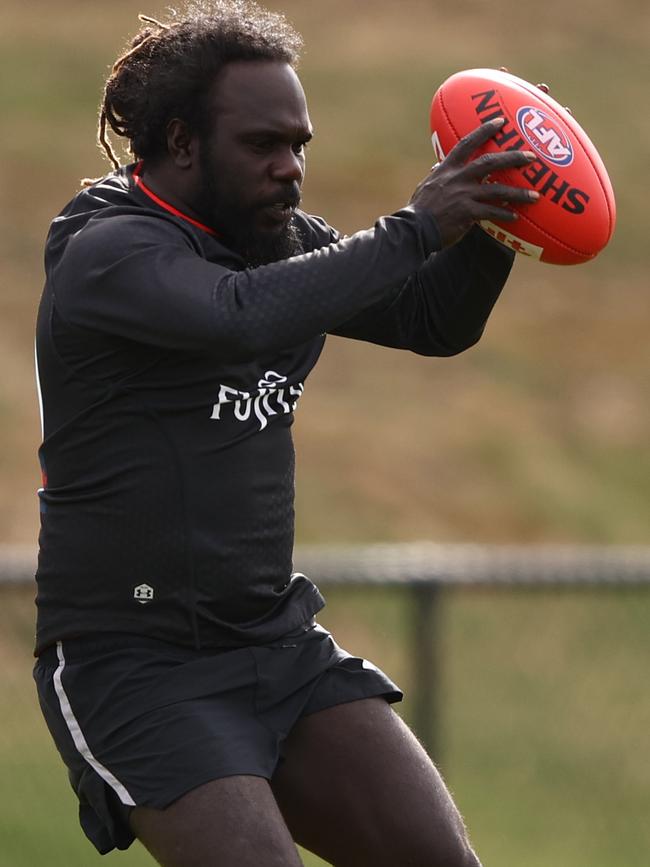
[252, 159]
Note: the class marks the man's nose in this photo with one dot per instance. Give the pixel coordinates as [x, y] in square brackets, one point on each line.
[289, 167]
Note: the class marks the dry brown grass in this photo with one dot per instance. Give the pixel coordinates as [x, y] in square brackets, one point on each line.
[540, 432]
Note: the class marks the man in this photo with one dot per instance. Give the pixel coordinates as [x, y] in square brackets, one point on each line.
[195, 701]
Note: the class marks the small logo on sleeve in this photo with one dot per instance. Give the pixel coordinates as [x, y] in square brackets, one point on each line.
[143, 593]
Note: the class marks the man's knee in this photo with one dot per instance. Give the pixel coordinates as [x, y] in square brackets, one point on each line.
[466, 858]
[452, 850]
[458, 854]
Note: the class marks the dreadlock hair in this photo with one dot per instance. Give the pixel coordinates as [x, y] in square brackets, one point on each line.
[169, 66]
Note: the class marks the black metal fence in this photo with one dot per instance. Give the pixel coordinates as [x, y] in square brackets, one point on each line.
[425, 569]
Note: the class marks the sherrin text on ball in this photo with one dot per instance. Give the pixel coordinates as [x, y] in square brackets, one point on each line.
[575, 216]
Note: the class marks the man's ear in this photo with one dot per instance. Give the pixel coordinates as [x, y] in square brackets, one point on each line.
[181, 144]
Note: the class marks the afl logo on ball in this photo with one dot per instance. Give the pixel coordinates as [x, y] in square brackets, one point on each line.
[545, 135]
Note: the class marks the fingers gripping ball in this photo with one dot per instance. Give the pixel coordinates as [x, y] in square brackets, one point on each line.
[575, 216]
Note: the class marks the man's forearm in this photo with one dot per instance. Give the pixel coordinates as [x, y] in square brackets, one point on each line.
[286, 303]
[443, 308]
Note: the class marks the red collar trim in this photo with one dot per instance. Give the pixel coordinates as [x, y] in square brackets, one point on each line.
[163, 204]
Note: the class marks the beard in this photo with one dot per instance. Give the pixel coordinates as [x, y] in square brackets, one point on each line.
[238, 228]
[257, 247]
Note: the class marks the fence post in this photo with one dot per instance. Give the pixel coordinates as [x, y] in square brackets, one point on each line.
[426, 665]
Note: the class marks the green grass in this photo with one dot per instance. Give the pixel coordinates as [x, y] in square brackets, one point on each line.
[549, 725]
[544, 724]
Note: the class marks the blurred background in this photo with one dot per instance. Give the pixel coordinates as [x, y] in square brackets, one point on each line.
[539, 434]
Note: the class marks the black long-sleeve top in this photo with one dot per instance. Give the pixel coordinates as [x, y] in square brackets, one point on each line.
[169, 374]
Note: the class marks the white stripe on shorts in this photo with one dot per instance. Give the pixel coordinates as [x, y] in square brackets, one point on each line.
[77, 735]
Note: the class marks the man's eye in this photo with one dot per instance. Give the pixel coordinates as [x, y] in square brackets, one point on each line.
[300, 147]
[262, 146]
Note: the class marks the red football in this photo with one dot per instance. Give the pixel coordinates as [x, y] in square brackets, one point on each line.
[575, 215]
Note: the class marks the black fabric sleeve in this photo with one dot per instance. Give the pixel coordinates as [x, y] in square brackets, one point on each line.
[141, 278]
[442, 308]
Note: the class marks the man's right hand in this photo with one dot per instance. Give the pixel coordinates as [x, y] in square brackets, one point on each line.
[457, 190]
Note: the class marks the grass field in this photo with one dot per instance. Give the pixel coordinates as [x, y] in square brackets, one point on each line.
[545, 725]
[539, 433]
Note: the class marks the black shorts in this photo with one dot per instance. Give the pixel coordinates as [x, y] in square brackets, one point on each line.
[140, 722]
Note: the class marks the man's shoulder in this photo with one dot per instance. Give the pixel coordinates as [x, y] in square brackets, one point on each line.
[104, 218]
[112, 203]
[113, 190]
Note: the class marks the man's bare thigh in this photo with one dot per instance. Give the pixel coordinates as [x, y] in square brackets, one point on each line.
[234, 822]
[357, 788]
